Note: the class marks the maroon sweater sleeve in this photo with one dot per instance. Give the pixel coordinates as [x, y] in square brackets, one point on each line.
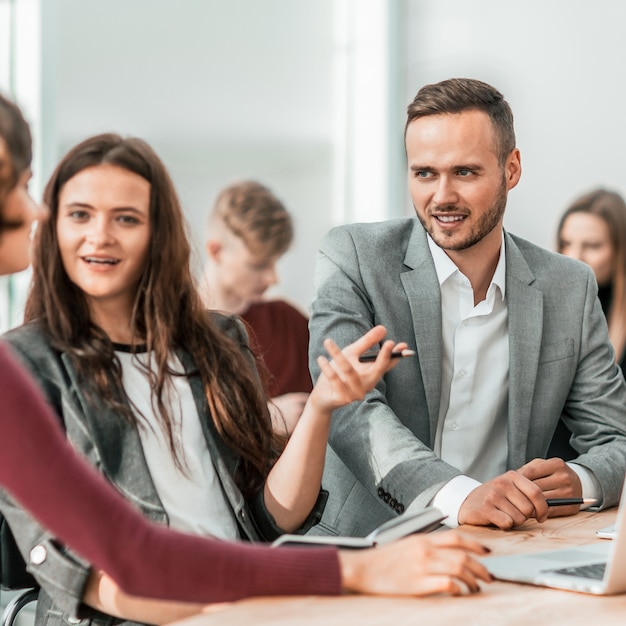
[68, 497]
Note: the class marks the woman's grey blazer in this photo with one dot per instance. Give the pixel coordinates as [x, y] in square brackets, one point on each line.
[112, 444]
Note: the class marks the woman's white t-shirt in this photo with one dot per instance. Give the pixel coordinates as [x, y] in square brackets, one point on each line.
[192, 497]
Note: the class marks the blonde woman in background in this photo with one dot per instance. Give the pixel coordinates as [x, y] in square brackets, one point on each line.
[593, 230]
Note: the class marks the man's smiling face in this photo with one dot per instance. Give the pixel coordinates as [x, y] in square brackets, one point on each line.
[457, 184]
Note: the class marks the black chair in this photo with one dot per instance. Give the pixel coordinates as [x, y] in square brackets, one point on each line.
[17, 604]
[14, 575]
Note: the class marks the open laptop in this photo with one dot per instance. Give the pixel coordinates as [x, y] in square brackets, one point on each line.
[598, 568]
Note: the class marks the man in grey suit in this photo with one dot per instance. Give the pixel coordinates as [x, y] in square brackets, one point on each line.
[510, 339]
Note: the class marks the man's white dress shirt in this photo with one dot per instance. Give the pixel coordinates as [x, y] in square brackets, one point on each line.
[473, 411]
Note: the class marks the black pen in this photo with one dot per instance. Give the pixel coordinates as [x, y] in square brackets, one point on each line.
[368, 357]
[568, 501]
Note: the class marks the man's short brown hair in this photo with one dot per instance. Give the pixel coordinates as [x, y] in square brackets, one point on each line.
[253, 213]
[456, 95]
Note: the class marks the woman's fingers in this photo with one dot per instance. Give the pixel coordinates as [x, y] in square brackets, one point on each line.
[359, 378]
[462, 566]
[367, 341]
[449, 554]
[431, 585]
[453, 539]
[420, 565]
[350, 379]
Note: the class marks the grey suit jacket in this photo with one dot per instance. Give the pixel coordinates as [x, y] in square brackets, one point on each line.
[112, 444]
[380, 457]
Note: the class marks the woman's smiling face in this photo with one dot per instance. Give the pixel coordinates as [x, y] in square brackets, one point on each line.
[586, 237]
[103, 230]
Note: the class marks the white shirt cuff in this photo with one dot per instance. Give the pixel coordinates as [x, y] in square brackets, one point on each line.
[451, 496]
[590, 484]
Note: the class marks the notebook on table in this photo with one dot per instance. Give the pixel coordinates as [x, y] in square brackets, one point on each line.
[598, 568]
[422, 521]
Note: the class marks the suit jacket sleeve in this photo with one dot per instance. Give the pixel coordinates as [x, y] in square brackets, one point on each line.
[596, 404]
[383, 440]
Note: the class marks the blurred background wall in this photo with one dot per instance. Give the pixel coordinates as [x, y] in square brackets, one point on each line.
[309, 96]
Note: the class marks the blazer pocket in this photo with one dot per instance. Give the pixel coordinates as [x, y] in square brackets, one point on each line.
[557, 351]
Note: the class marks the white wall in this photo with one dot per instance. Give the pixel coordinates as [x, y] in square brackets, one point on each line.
[560, 65]
[222, 90]
[245, 88]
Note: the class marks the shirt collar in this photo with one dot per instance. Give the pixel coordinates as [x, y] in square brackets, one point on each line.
[445, 267]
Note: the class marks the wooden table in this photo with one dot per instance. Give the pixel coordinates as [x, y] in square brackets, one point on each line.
[498, 604]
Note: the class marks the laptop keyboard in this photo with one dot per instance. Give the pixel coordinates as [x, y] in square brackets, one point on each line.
[593, 570]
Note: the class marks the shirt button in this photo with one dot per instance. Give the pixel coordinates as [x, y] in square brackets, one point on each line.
[38, 555]
[454, 427]
[74, 620]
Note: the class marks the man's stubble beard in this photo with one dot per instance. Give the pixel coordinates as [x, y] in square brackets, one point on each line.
[481, 229]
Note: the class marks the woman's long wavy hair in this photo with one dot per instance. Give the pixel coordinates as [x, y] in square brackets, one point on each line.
[167, 314]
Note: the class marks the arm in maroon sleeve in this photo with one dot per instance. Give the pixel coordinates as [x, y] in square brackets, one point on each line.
[67, 496]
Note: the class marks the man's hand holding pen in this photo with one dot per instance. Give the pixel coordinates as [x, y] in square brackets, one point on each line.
[556, 479]
[505, 501]
[540, 489]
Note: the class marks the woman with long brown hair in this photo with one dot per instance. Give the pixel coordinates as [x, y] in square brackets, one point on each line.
[593, 230]
[67, 496]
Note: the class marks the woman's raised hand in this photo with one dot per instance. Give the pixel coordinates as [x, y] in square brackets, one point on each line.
[344, 378]
[293, 484]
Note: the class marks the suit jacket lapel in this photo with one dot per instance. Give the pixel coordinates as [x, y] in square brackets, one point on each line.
[422, 289]
[525, 311]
